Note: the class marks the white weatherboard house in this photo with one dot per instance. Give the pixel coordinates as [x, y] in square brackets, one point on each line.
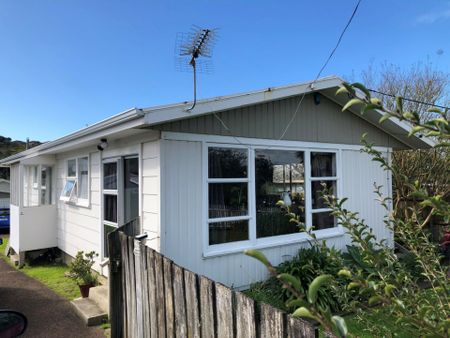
[205, 183]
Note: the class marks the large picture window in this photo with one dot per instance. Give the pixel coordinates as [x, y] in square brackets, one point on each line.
[76, 187]
[244, 185]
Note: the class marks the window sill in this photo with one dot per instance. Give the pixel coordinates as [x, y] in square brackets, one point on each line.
[82, 204]
[270, 242]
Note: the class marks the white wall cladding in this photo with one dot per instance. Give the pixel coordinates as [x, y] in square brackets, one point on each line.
[79, 227]
[359, 174]
[182, 209]
[151, 178]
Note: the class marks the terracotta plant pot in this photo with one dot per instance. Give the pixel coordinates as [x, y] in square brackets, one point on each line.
[84, 289]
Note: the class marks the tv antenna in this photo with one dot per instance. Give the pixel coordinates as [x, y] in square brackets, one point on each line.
[189, 47]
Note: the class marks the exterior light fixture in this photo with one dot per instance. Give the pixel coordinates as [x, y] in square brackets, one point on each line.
[103, 144]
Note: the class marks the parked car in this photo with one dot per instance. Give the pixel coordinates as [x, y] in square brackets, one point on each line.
[4, 219]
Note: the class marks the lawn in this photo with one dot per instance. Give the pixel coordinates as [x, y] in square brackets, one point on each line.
[50, 274]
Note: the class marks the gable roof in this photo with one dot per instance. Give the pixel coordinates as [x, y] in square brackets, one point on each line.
[147, 117]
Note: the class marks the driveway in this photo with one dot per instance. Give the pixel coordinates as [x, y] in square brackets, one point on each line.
[48, 314]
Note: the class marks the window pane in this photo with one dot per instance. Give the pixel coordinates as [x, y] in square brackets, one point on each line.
[83, 178]
[323, 220]
[131, 189]
[110, 211]
[71, 168]
[68, 188]
[35, 176]
[106, 230]
[317, 191]
[323, 164]
[30, 187]
[46, 185]
[225, 232]
[227, 163]
[110, 176]
[279, 175]
[227, 199]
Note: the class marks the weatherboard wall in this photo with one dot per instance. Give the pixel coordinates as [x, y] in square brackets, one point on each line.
[324, 122]
[183, 225]
[78, 227]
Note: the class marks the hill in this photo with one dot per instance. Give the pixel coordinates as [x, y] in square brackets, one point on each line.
[9, 147]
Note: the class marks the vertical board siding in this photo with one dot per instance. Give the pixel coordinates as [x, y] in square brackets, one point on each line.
[191, 305]
[183, 223]
[359, 176]
[325, 122]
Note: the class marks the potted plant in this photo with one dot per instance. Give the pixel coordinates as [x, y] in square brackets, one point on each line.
[81, 271]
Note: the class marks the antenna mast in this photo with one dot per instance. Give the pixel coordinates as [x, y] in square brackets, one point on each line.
[193, 45]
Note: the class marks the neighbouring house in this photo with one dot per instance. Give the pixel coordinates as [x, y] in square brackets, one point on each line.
[205, 182]
[4, 194]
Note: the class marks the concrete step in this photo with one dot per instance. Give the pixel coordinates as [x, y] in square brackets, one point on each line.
[100, 295]
[89, 311]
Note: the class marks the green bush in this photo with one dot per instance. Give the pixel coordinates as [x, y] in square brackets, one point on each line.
[81, 268]
[310, 263]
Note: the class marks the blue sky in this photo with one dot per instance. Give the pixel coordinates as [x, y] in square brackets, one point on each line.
[66, 64]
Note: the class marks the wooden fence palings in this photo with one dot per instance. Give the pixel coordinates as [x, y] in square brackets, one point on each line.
[162, 299]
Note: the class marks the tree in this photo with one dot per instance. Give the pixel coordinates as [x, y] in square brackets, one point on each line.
[421, 82]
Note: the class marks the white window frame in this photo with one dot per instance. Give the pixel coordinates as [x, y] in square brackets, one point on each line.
[115, 192]
[230, 180]
[312, 179]
[75, 199]
[265, 242]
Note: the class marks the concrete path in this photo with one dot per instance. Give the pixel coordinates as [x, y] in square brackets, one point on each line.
[48, 314]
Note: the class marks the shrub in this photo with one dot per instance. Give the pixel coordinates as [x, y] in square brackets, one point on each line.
[81, 268]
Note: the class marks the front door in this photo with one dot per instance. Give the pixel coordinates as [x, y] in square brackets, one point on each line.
[120, 194]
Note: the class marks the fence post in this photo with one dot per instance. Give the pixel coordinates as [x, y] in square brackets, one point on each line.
[138, 280]
[115, 283]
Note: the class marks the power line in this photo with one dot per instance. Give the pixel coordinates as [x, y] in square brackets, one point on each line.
[349, 21]
[321, 69]
[408, 99]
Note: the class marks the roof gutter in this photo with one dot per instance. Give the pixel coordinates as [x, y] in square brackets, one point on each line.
[126, 116]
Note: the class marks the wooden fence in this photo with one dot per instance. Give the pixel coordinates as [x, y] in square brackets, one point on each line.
[151, 296]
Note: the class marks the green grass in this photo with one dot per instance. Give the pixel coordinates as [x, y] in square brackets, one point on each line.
[3, 246]
[50, 274]
[376, 323]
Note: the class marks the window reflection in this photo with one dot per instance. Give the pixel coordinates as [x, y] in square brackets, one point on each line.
[279, 175]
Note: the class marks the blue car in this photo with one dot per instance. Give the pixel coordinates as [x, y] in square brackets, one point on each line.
[4, 219]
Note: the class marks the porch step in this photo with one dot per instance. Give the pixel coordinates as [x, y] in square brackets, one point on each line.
[89, 311]
[100, 295]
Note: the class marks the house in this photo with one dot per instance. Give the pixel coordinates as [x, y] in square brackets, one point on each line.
[4, 194]
[205, 182]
